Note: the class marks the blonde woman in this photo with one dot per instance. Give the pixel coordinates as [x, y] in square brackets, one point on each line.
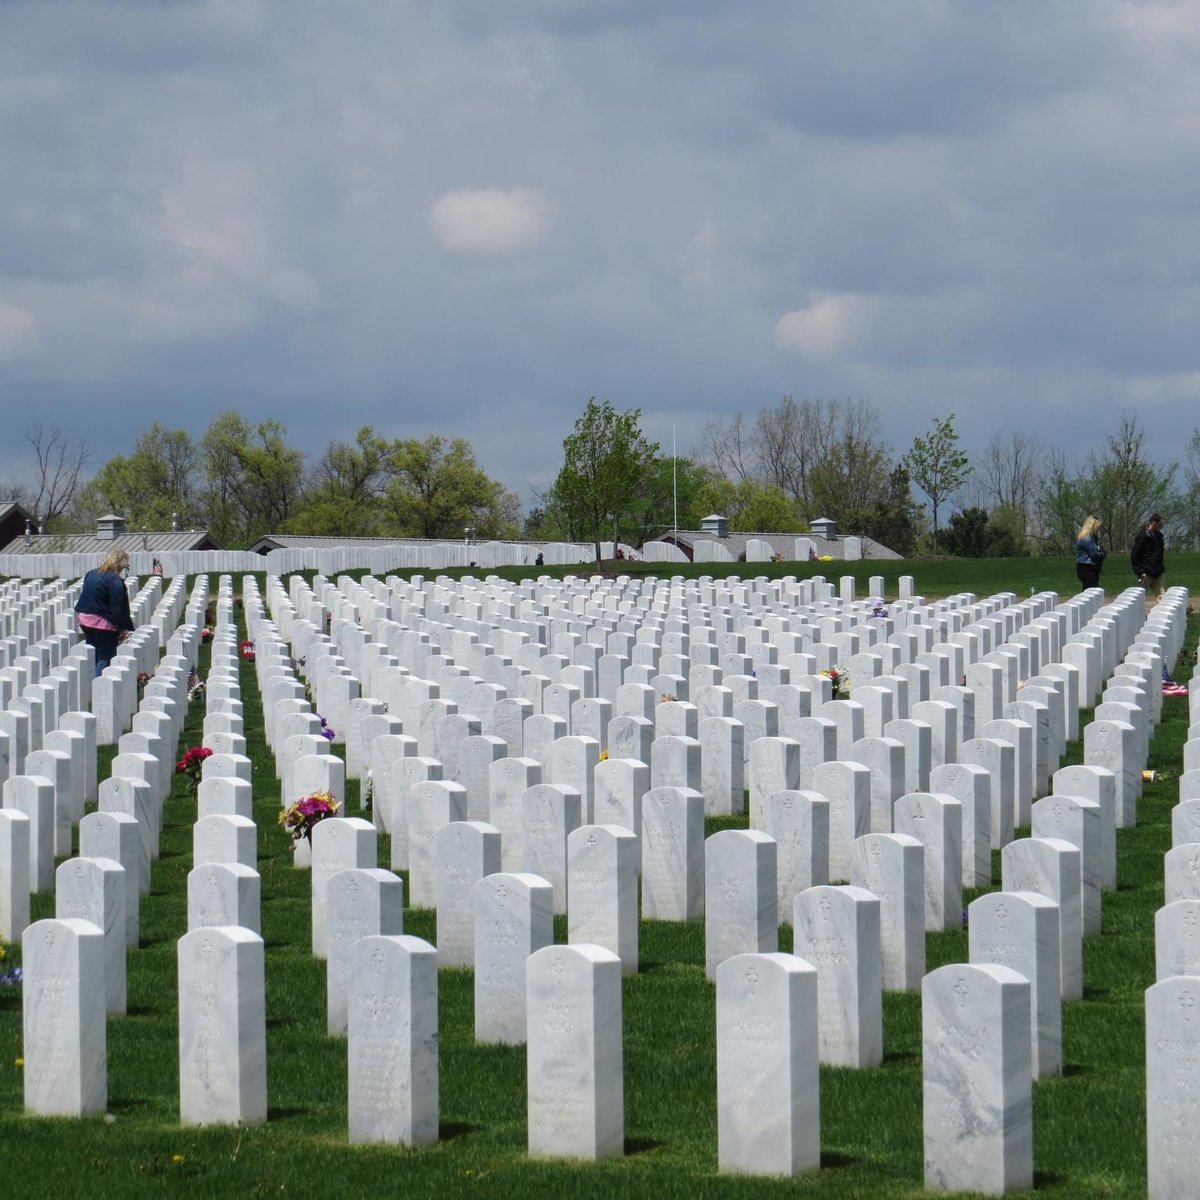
[1089, 554]
[102, 609]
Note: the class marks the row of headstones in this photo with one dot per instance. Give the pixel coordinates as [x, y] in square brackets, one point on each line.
[1065, 852]
[321, 827]
[595, 715]
[420, 874]
[1172, 1064]
[97, 900]
[47, 798]
[488, 755]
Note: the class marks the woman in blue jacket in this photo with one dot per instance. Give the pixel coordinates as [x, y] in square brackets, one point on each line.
[1089, 554]
[102, 610]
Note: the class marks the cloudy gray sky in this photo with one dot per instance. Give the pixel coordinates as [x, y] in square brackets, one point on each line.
[468, 217]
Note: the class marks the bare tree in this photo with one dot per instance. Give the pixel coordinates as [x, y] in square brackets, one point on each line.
[59, 464]
[725, 447]
[1009, 473]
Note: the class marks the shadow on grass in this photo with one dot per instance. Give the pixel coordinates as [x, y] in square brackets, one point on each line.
[449, 1130]
[831, 1159]
[642, 1145]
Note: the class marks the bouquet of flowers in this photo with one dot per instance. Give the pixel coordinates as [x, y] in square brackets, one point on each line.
[840, 680]
[191, 765]
[879, 609]
[206, 634]
[299, 818]
[246, 649]
[195, 686]
[8, 978]
[143, 678]
[668, 698]
[326, 729]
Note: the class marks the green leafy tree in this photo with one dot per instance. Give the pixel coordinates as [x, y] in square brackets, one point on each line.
[1128, 487]
[252, 478]
[668, 485]
[853, 483]
[1119, 485]
[438, 490]
[973, 533]
[158, 483]
[937, 466]
[752, 506]
[606, 461]
[344, 494]
[895, 518]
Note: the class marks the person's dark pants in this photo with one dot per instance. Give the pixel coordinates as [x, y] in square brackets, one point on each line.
[1089, 574]
[105, 642]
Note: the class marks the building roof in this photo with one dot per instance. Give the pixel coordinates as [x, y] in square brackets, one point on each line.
[88, 543]
[783, 544]
[306, 541]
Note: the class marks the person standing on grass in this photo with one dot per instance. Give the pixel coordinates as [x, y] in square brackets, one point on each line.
[1089, 554]
[1147, 556]
[102, 610]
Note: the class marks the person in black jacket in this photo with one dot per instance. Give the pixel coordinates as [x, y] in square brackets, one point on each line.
[1147, 556]
[102, 610]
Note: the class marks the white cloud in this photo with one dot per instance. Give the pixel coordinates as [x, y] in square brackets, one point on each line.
[827, 327]
[489, 220]
[16, 329]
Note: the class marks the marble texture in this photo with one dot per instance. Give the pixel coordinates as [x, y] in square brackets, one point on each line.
[977, 1079]
[222, 1027]
[768, 1083]
[574, 1055]
[392, 1047]
[514, 917]
[63, 1013]
[741, 913]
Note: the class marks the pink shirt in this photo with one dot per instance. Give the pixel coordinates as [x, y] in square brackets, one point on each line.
[91, 621]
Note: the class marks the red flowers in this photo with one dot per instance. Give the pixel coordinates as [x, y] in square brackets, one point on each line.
[246, 649]
[191, 765]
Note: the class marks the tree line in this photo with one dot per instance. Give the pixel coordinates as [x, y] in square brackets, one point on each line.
[774, 471]
[241, 480]
[786, 465]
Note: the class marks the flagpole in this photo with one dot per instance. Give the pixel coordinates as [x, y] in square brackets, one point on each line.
[675, 482]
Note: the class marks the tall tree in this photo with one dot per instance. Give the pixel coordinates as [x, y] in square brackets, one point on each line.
[852, 479]
[59, 462]
[754, 507]
[345, 490]
[605, 463]
[1008, 474]
[669, 484]
[937, 466]
[1128, 486]
[439, 491]
[155, 485]
[252, 478]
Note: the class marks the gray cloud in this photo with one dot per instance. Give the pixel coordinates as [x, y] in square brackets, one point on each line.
[467, 219]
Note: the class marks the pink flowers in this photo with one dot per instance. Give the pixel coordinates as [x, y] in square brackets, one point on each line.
[299, 818]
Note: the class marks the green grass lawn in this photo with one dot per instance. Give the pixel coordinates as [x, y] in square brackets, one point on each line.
[1088, 1123]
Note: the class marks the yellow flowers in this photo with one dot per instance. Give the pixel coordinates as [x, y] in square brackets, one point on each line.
[20, 1062]
[603, 756]
[178, 1158]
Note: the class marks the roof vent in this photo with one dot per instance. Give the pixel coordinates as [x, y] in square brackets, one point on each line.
[824, 527]
[715, 524]
[109, 528]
